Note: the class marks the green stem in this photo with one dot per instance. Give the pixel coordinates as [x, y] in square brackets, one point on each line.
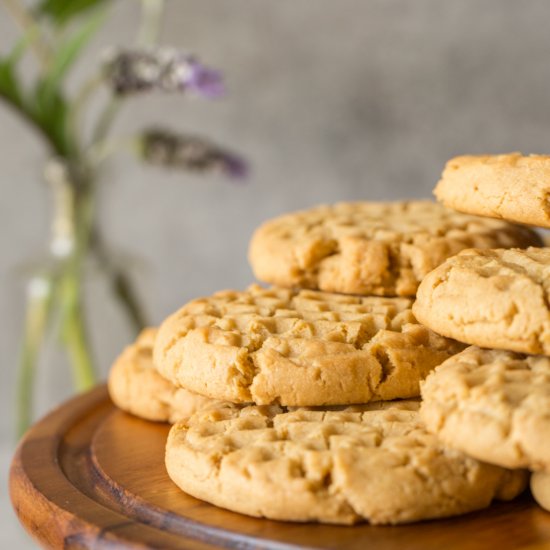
[105, 123]
[39, 302]
[121, 284]
[74, 331]
[151, 21]
[85, 213]
[75, 337]
[127, 295]
[81, 99]
[99, 153]
[152, 12]
[73, 327]
[74, 193]
[30, 26]
[56, 146]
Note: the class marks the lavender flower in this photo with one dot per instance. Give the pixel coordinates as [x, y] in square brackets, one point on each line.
[163, 69]
[162, 147]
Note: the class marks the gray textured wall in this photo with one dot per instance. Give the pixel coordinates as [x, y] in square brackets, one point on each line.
[354, 99]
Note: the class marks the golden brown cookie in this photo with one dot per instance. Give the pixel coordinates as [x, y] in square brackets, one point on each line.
[540, 489]
[490, 298]
[298, 348]
[492, 405]
[370, 248]
[511, 187]
[372, 463]
[136, 387]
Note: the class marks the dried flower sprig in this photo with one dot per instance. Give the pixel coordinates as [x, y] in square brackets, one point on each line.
[165, 148]
[56, 32]
[162, 69]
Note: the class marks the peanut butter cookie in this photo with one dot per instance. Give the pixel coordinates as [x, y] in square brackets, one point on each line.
[298, 348]
[373, 463]
[490, 298]
[136, 387]
[492, 405]
[370, 248]
[511, 187]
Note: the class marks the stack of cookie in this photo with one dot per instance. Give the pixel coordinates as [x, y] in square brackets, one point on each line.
[301, 401]
[493, 401]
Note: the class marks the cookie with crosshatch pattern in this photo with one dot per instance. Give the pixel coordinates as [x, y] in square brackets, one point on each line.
[372, 248]
[298, 347]
[512, 187]
[373, 462]
[136, 387]
[492, 405]
[490, 298]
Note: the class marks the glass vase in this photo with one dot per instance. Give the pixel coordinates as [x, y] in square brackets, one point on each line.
[81, 303]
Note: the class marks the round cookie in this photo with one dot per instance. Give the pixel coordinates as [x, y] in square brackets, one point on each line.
[490, 298]
[370, 248]
[372, 463]
[136, 387]
[298, 348]
[511, 187]
[492, 405]
[540, 489]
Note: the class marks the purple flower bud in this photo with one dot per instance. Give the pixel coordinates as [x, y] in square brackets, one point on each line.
[164, 69]
[164, 148]
[204, 81]
[235, 167]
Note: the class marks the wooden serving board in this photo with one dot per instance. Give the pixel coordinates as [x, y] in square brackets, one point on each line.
[91, 476]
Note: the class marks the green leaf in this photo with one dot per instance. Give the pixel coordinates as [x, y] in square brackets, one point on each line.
[68, 52]
[62, 11]
[9, 85]
[21, 46]
[50, 111]
[45, 110]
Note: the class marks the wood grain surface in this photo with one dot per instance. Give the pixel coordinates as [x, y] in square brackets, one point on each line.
[91, 476]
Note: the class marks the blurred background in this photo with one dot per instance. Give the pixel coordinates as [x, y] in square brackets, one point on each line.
[328, 101]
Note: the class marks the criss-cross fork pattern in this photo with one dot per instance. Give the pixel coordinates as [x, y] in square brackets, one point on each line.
[298, 347]
[250, 318]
